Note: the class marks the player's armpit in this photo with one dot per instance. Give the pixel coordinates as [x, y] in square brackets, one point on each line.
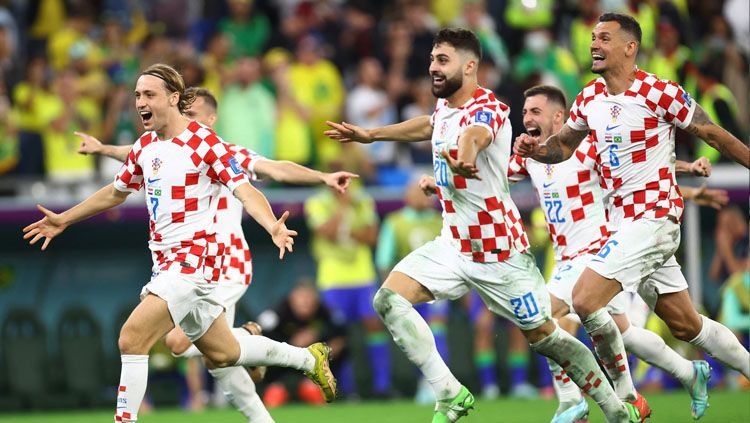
[718, 138]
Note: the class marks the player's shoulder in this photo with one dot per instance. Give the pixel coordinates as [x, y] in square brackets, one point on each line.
[203, 132]
[484, 98]
[594, 88]
[645, 83]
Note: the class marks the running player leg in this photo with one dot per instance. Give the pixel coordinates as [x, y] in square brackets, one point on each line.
[148, 322]
[568, 393]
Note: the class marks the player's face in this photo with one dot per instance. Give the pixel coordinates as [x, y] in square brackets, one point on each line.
[201, 112]
[538, 117]
[446, 70]
[152, 102]
[608, 44]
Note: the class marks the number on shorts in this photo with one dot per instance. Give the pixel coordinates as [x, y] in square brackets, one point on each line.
[528, 302]
[558, 276]
[604, 252]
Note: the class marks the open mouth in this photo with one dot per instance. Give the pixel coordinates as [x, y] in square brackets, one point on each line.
[597, 58]
[438, 79]
[534, 132]
[146, 116]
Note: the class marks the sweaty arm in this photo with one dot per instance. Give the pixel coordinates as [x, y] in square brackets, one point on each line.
[473, 140]
[256, 205]
[288, 172]
[559, 147]
[718, 137]
[117, 152]
[412, 130]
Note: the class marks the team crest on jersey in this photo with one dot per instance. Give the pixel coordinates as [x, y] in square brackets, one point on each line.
[443, 129]
[614, 111]
[549, 170]
[155, 165]
[483, 116]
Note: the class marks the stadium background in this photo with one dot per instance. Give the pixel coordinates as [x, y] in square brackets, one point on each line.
[280, 68]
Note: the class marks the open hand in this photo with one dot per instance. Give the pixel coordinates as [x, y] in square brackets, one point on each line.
[48, 227]
[339, 180]
[346, 132]
[282, 236]
[89, 144]
[526, 145]
[458, 167]
[716, 198]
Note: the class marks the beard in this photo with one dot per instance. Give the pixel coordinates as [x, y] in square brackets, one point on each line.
[450, 86]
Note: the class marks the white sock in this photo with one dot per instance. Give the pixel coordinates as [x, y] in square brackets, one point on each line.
[193, 351]
[565, 389]
[133, 380]
[412, 334]
[579, 363]
[719, 342]
[239, 389]
[611, 351]
[651, 348]
[262, 351]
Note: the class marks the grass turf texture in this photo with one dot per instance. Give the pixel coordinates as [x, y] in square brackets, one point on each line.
[725, 407]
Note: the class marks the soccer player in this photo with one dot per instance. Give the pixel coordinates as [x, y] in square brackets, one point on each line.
[483, 245]
[177, 161]
[631, 117]
[570, 194]
[237, 268]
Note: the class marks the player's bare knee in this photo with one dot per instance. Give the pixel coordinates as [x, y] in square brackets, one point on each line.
[584, 304]
[130, 343]
[537, 334]
[210, 365]
[685, 329]
[177, 342]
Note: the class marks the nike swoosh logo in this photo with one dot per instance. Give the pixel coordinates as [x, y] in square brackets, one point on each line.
[597, 260]
[609, 128]
[151, 181]
[548, 185]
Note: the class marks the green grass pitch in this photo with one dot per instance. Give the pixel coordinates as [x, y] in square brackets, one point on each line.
[726, 407]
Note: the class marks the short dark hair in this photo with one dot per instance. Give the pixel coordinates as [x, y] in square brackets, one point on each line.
[460, 39]
[553, 94]
[627, 24]
[208, 97]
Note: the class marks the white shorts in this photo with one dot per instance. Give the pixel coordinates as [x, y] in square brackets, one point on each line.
[189, 299]
[228, 293]
[513, 288]
[564, 278]
[640, 256]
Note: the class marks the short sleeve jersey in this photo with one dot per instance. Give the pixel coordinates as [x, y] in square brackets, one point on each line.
[479, 217]
[238, 265]
[634, 133]
[572, 200]
[181, 178]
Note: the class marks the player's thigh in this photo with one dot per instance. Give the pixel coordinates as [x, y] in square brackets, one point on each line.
[219, 344]
[513, 289]
[665, 280]
[431, 272]
[593, 291]
[677, 311]
[148, 322]
[177, 341]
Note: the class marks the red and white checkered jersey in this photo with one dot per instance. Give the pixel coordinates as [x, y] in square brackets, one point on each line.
[238, 265]
[572, 200]
[634, 133]
[479, 217]
[179, 176]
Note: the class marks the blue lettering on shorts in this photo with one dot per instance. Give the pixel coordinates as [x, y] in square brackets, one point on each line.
[524, 307]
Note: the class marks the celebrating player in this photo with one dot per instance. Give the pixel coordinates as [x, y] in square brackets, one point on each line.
[631, 117]
[177, 161]
[570, 194]
[482, 245]
[237, 268]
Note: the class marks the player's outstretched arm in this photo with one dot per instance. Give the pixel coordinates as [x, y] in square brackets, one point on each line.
[91, 145]
[412, 130]
[472, 141]
[556, 149]
[716, 198]
[290, 172]
[700, 167]
[257, 206]
[54, 224]
[718, 137]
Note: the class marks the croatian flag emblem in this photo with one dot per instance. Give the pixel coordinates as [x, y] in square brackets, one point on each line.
[483, 117]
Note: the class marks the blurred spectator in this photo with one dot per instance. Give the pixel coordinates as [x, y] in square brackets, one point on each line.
[735, 303]
[580, 37]
[525, 15]
[247, 29]
[345, 229]
[79, 23]
[671, 56]
[475, 18]
[216, 63]
[8, 133]
[248, 113]
[369, 106]
[424, 104]
[736, 13]
[294, 141]
[301, 320]
[553, 65]
[10, 62]
[46, 18]
[422, 26]
[646, 13]
[31, 101]
[68, 111]
[318, 87]
[92, 80]
[117, 58]
[720, 105]
[731, 239]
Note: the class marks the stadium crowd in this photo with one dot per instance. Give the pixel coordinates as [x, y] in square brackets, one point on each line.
[281, 68]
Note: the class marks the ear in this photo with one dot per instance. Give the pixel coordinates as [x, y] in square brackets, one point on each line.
[212, 120]
[471, 66]
[631, 48]
[174, 98]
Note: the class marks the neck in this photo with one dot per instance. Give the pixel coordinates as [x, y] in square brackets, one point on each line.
[463, 94]
[176, 124]
[620, 79]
